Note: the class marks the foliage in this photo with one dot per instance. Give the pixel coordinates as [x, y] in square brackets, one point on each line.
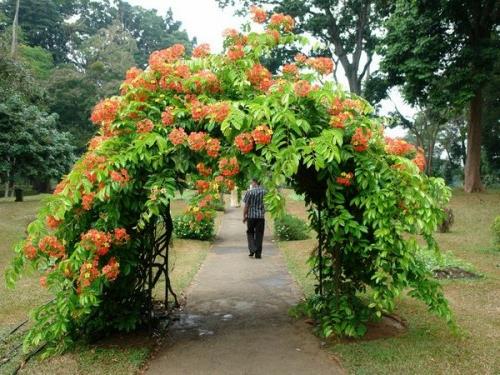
[442, 53]
[186, 227]
[496, 232]
[213, 120]
[290, 228]
[448, 220]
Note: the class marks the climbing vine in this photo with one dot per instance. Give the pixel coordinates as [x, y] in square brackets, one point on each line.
[212, 120]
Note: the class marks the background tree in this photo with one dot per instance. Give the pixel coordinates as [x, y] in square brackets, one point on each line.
[441, 54]
[348, 28]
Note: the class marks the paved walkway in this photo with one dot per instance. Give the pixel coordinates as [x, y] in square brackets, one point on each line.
[236, 319]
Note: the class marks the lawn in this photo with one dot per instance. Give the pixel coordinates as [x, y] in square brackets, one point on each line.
[428, 347]
[122, 354]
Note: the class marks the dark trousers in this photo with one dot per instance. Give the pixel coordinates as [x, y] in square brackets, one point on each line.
[255, 235]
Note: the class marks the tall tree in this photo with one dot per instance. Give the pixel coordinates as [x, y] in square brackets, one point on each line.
[349, 29]
[441, 53]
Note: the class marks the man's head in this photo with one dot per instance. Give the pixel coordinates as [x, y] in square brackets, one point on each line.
[255, 182]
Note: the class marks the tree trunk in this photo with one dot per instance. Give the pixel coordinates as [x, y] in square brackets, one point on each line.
[472, 180]
[6, 192]
[13, 46]
[354, 82]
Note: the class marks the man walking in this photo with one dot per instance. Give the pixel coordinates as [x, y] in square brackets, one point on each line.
[253, 215]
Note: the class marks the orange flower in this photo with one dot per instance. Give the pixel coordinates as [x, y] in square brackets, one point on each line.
[280, 19]
[339, 120]
[87, 201]
[322, 65]
[120, 176]
[259, 15]
[199, 111]
[203, 169]
[360, 139]
[213, 147]
[121, 236]
[111, 270]
[291, 69]
[52, 222]
[145, 126]
[202, 186]
[158, 59]
[43, 281]
[50, 245]
[202, 50]
[177, 136]
[345, 178]
[419, 160]
[398, 147]
[244, 142]
[300, 58]
[235, 52]
[274, 34]
[197, 141]
[229, 167]
[262, 135]
[219, 111]
[96, 141]
[88, 273]
[206, 80]
[96, 241]
[167, 117]
[105, 111]
[302, 88]
[229, 184]
[260, 77]
[199, 216]
[29, 251]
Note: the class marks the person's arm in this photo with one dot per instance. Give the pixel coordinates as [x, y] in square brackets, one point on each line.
[245, 209]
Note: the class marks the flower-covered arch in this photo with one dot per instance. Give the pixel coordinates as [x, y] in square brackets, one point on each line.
[212, 120]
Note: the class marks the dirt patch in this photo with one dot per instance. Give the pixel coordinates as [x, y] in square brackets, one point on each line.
[388, 326]
[454, 273]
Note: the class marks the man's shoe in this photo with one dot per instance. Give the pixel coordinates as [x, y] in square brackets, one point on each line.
[257, 256]
[251, 254]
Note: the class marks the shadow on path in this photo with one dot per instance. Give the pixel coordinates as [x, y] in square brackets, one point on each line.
[236, 319]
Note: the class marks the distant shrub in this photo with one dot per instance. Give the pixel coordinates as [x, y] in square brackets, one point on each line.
[449, 219]
[290, 228]
[188, 228]
[496, 232]
[218, 205]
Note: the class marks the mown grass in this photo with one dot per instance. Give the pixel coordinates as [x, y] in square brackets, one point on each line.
[429, 347]
[121, 354]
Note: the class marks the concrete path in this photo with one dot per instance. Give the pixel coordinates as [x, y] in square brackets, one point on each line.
[236, 318]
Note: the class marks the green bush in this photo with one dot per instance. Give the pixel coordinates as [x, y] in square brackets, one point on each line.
[188, 228]
[496, 232]
[290, 228]
[218, 205]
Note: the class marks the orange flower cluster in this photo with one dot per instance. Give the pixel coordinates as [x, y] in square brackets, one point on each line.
[213, 147]
[197, 141]
[52, 222]
[158, 59]
[105, 111]
[262, 135]
[219, 111]
[96, 141]
[120, 236]
[29, 250]
[88, 201]
[229, 184]
[345, 178]
[199, 111]
[419, 160]
[120, 176]
[259, 15]
[202, 186]
[203, 169]
[260, 77]
[97, 241]
[145, 126]
[291, 69]
[167, 117]
[235, 37]
[201, 51]
[88, 273]
[205, 201]
[338, 121]
[323, 65]
[244, 142]
[302, 88]
[50, 245]
[274, 34]
[235, 52]
[300, 58]
[360, 139]
[398, 147]
[92, 161]
[280, 19]
[60, 186]
[111, 270]
[177, 136]
[206, 80]
[229, 167]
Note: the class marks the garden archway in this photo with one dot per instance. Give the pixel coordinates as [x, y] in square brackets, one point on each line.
[212, 120]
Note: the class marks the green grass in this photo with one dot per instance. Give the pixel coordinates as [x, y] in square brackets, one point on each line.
[121, 354]
[429, 347]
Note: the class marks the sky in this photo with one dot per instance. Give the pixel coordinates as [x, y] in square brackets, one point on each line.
[204, 20]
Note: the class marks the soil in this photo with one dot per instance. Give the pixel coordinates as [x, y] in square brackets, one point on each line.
[236, 318]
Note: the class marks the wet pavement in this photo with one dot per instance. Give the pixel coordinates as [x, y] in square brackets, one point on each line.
[236, 319]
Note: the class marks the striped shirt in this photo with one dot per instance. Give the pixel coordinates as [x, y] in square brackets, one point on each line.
[254, 198]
